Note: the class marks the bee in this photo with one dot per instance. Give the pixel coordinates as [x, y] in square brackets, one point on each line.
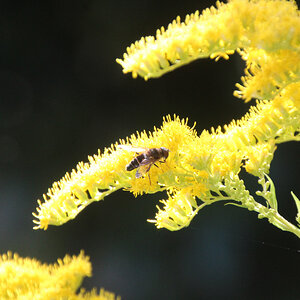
[146, 159]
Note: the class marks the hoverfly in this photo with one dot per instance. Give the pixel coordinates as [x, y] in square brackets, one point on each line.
[147, 157]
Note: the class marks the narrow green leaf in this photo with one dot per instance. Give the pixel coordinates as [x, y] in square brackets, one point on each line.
[272, 200]
[297, 201]
[235, 204]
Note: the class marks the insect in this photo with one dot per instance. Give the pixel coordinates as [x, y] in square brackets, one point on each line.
[147, 157]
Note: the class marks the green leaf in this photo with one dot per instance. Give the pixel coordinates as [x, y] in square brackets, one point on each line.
[272, 200]
[297, 201]
[235, 204]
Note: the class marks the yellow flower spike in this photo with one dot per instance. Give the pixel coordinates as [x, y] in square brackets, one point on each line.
[193, 163]
[198, 163]
[26, 278]
[106, 173]
[216, 32]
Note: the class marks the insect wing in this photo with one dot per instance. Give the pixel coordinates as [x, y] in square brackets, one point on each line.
[132, 148]
[142, 170]
[146, 161]
[144, 166]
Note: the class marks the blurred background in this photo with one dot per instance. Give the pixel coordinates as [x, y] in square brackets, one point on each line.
[63, 97]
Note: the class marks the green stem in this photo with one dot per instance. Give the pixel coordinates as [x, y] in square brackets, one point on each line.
[274, 218]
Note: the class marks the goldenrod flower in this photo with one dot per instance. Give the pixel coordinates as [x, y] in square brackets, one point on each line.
[263, 24]
[106, 173]
[197, 166]
[26, 278]
[201, 170]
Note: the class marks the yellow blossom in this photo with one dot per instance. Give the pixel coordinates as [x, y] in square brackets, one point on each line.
[264, 24]
[268, 73]
[26, 278]
[197, 164]
[105, 173]
[179, 209]
[202, 169]
[267, 36]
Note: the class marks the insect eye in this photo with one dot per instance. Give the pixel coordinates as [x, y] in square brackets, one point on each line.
[165, 151]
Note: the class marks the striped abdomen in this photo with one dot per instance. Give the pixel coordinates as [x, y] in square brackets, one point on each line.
[135, 163]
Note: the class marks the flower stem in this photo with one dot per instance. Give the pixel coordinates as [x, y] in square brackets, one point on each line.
[274, 218]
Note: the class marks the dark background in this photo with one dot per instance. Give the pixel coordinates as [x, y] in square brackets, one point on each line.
[62, 96]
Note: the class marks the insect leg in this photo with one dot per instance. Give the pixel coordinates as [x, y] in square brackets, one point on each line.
[149, 179]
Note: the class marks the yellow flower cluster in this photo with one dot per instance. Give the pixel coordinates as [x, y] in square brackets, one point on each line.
[268, 73]
[267, 35]
[257, 24]
[26, 278]
[196, 165]
[106, 173]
